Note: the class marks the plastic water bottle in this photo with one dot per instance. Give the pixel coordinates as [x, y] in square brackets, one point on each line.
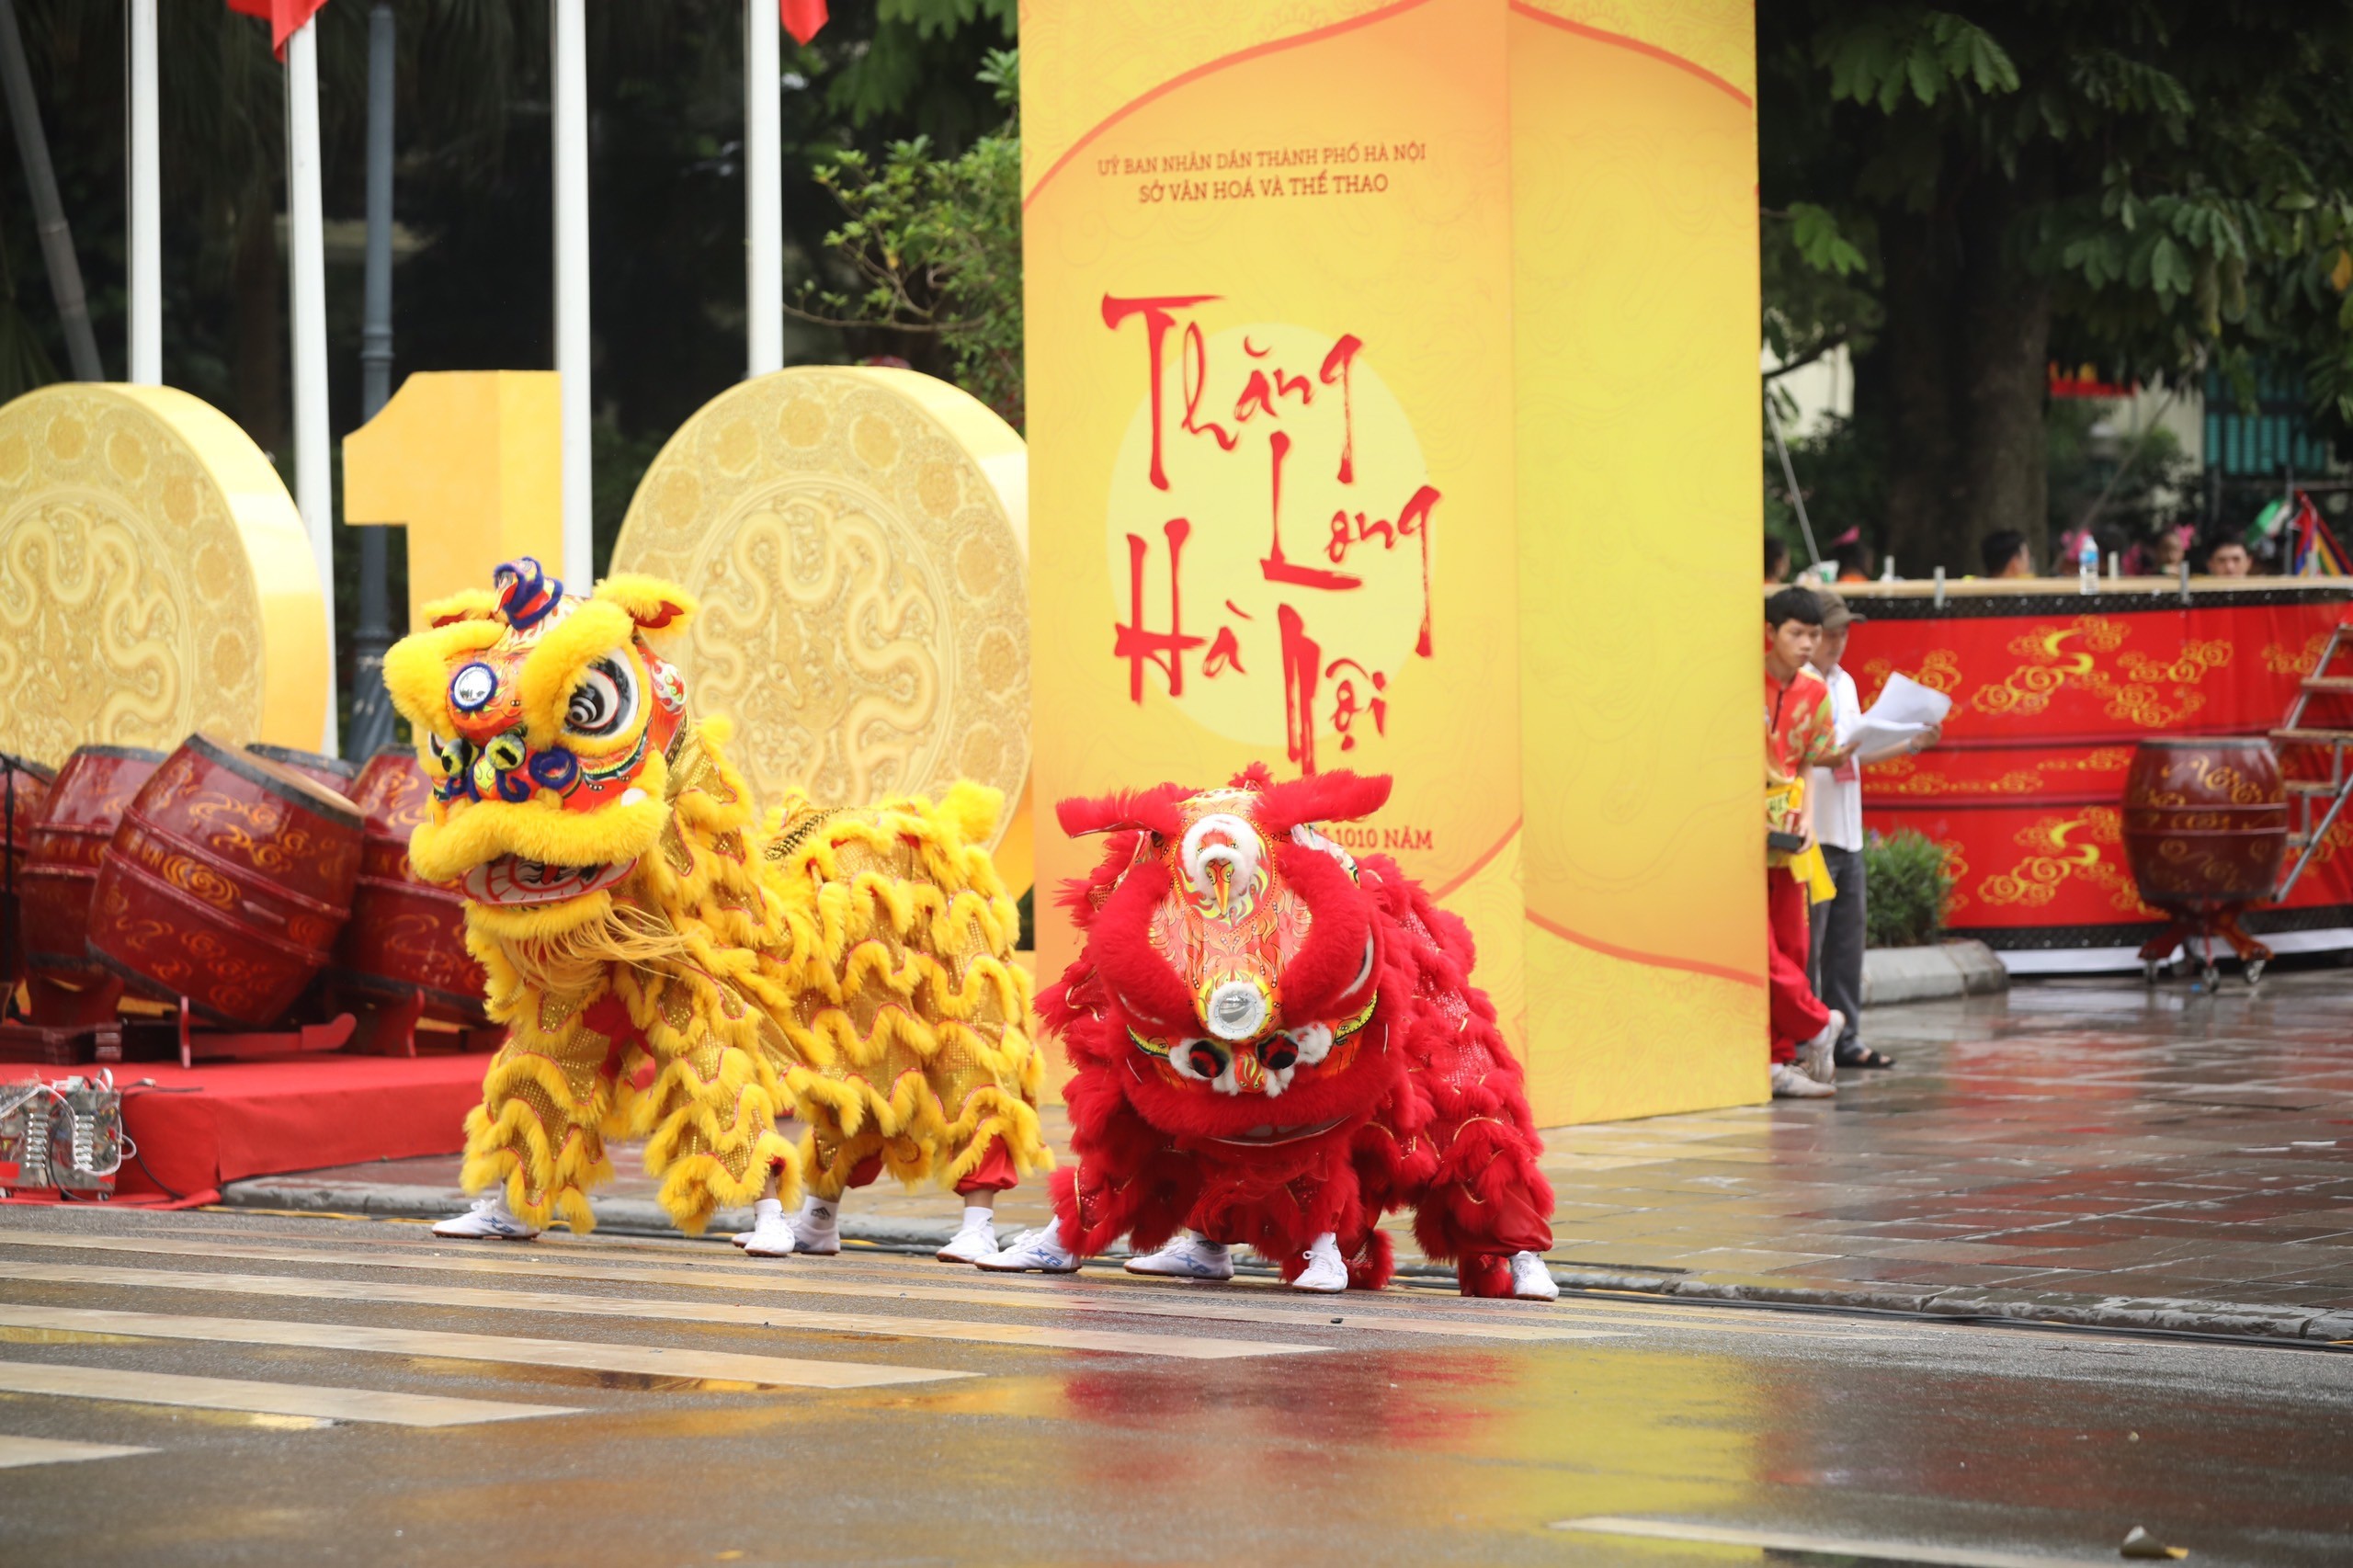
[2088, 564]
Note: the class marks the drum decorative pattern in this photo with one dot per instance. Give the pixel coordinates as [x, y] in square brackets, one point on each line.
[2205, 823]
[864, 584]
[67, 844]
[226, 882]
[129, 614]
[20, 806]
[405, 935]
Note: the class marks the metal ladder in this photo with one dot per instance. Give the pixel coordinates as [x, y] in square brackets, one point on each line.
[2325, 797]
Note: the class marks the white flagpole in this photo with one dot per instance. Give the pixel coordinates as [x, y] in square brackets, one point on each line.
[570, 47]
[313, 481]
[763, 187]
[146, 205]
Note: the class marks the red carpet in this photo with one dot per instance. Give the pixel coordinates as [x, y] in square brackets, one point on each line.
[200, 1128]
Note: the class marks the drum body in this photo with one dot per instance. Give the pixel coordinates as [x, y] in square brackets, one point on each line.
[405, 935]
[226, 883]
[24, 787]
[2205, 821]
[318, 767]
[65, 845]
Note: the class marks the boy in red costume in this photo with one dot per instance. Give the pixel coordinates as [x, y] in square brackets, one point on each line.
[1276, 1045]
[1799, 736]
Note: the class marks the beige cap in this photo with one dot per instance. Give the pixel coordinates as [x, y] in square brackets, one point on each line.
[1835, 616]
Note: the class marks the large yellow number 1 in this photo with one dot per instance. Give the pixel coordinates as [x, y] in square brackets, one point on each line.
[468, 459]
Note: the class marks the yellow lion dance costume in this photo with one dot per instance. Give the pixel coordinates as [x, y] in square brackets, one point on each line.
[669, 967]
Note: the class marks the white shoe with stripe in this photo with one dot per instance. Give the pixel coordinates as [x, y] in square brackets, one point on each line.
[1186, 1256]
[488, 1221]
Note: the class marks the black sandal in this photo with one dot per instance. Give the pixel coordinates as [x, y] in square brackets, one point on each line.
[1857, 1054]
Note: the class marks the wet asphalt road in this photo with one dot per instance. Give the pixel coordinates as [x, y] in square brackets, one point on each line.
[1102, 1419]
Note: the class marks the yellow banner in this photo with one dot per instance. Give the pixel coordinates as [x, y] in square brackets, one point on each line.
[1635, 290]
[1291, 450]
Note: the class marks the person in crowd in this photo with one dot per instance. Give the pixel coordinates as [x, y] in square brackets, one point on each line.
[1799, 733]
[2005, 554]
[2228, 559]
[1836, 797]
[1776, 560]
[2161, 556]
[1856, 560]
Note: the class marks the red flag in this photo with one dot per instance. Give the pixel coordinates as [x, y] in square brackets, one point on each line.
[801, 17]
[286, 16]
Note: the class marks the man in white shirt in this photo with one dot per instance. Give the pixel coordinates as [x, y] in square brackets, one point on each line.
[1837, 793]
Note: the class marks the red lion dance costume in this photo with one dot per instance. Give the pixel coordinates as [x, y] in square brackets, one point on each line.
[1276, 1045]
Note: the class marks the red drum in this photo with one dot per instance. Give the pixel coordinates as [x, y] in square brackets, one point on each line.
[405, 935]
[67, 844]
[226, 883]
[24, 785]
[2205, 821]
[332, 771]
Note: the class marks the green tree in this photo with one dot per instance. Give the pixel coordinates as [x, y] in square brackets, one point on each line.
[934, 244]
[1964, 196]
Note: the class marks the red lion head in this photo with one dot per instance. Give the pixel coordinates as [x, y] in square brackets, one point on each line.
[1235, 959]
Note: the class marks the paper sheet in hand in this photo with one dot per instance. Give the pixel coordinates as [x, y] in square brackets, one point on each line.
[1905, 708]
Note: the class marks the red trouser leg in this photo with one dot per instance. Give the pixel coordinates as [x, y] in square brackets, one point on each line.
[995, 1173]
[1797, 1012]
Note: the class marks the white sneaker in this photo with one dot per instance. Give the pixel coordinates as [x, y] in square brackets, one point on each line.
[1530, 1281]
[1187, 1255]
[488, 1221]
[1325, 1270]
[760, 1212]
[974, 1241]
[1819, 1055]
[771, 1232]
[1791, 1081]
[1039, 1249]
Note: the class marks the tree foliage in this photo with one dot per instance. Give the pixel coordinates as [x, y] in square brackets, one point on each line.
[914, 46]
[935, 244]
[2150, 186]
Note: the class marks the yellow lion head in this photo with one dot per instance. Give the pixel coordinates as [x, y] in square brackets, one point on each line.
[543, 720]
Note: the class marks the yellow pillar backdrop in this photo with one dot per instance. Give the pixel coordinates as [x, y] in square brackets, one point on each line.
[1307, 208]
[1392, 396]
[1635, 290]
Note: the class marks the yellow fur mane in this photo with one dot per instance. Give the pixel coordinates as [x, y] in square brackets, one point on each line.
[852, 967]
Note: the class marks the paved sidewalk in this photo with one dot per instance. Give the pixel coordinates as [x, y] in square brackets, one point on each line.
[2081, 1150]
[2086, 1151]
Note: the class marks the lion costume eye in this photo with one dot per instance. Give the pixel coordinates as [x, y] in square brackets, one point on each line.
[1201, 1059]
[604, 702]
[454, 756]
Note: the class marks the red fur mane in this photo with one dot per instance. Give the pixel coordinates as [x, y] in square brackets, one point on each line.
[1426, 1108]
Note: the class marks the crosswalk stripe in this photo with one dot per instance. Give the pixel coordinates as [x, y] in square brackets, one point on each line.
[1466, 1318]
[1471, 1318]
[1567, 1319]
[15, 1452]
[1479, 1317]
[1183, 1347]
[1822, 1545]
[796, 1277]
[268, 1399]
[713, 1366]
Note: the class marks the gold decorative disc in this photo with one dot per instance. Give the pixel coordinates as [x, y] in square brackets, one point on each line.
[858, 536]
[154, 578]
